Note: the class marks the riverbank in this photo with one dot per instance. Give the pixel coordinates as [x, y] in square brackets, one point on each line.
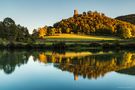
[70, 45]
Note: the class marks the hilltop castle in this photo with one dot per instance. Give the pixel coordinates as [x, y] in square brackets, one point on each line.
[75, 12]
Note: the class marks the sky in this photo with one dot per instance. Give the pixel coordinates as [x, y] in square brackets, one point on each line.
[38, 13]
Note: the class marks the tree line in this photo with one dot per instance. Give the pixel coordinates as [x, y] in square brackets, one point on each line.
[11, 32]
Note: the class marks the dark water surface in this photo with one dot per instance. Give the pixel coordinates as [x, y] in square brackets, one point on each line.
[47, 70]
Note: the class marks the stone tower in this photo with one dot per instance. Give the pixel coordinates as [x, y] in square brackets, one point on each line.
[76, 12]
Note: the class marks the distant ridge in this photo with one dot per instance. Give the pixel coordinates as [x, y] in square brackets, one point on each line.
[128, 18]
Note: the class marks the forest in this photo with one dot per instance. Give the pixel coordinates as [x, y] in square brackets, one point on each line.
[89, 23]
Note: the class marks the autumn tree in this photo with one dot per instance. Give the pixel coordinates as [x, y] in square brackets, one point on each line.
[126, 33]
[42, 32]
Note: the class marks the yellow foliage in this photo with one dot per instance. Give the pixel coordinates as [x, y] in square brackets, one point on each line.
[42, 57]
[42, 32]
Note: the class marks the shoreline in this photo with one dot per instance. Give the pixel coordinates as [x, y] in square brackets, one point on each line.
[63, 45]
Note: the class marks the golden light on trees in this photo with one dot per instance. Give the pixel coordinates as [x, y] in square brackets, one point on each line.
[42, 32]
[42, 57]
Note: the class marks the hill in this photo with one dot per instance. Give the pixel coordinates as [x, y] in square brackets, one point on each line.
[89, 23]
[128, 18]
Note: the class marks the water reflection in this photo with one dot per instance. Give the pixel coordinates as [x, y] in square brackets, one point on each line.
[9, 60]
[86, 64]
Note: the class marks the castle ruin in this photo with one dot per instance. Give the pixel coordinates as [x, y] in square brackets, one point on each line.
[75, 12]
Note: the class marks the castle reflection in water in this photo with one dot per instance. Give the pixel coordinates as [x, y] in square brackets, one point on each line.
[84, 64]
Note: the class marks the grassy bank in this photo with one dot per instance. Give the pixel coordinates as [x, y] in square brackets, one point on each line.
[71, 46]
[79, 37]
[72, 42]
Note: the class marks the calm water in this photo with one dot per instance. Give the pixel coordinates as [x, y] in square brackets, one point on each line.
[47, 70]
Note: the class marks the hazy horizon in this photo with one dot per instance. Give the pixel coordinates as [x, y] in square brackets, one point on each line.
[37, 13]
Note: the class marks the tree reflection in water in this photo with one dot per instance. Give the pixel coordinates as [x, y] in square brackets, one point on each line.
[86, 64]
[90, 66]
[10, 59]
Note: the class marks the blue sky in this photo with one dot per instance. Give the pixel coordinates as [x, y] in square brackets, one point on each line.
[36, 13]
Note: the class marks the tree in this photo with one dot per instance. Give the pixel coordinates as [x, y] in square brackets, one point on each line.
[8, 22]
[126, 33]
[123, 31]
[53, 31]
[42, 32]
[68, 30]
[2, 32]
[23, 34]
[34, 34]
